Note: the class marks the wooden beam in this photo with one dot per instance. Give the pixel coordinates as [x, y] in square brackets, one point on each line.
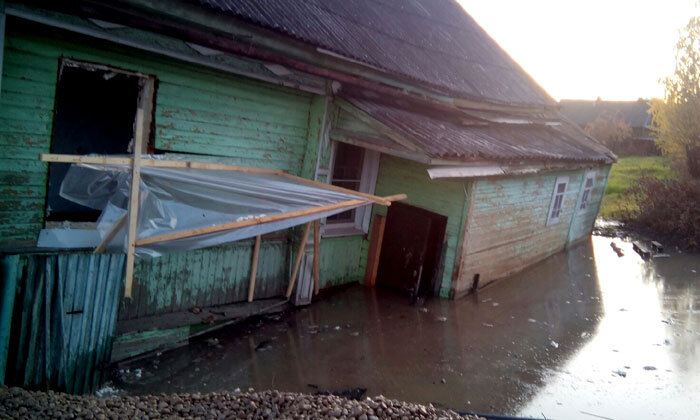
[297, 262]
[374, 198]
[254, 269]
[395, 197]
[98, 160]
[158, 163]
[375, 249]
[249, 222]
[317, 255]
[209, 166]
[134, 201]
[110, 235]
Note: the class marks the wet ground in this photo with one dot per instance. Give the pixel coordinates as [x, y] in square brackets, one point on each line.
[584, 334]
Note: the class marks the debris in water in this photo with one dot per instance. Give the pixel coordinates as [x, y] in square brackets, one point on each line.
[617, 249]
[354, 333]
[423, 309]
[662, 256]
[212, 341]
[486, 324]
[620, 373]
[337, 327]
[554, 344]
[649, 368]
[106, 391]
[667, 342]
[495, 304]
[441, 318]
[584, 334]
[443, 380]
[534, 321]
[486, 300]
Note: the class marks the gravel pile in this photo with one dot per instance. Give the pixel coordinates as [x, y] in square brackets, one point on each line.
[18, 403]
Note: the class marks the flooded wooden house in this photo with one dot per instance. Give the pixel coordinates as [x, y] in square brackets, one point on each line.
[380, 97]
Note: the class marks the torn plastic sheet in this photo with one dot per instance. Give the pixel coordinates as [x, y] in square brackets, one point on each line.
[175, 199]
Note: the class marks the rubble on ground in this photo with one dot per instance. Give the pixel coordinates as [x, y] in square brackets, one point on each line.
[19, 403]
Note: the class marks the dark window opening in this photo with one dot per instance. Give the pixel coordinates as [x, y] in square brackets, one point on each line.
[94, 113]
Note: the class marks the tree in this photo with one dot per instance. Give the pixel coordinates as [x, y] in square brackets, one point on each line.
[676, 118]
[611, 129]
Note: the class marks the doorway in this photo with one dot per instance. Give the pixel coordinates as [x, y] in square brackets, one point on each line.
[411, 249]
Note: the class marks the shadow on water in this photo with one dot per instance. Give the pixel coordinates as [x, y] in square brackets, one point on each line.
[545, 341]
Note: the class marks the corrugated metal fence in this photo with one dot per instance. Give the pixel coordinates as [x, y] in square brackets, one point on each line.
[64, 315]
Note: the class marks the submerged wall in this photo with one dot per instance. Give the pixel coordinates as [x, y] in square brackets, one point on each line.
[507, 228]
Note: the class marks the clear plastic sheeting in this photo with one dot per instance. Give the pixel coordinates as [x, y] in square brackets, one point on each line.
[175, 200]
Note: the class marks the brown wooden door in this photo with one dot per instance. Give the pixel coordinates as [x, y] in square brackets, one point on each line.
[411, 249]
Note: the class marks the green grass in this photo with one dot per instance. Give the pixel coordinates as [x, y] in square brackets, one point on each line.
[624, 175]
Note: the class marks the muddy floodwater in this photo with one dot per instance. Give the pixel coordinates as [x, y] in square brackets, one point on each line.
[584, 334]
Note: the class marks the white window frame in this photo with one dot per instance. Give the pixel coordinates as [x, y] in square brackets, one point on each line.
[584, 200]
[554, 220]
[368, 183]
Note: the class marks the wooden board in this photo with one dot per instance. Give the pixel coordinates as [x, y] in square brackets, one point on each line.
[254, 268]
[317, 255]
[297, 262]
[134, 201]
[375, 248]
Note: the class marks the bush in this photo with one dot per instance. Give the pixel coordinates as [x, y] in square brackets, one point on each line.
[669, 207]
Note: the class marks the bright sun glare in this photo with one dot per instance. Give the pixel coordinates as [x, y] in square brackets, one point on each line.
[615, 49]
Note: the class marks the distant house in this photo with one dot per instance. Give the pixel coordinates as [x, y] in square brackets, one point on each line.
[381, 97]
[634, 113]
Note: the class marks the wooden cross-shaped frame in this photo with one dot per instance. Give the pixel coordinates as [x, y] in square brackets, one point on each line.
[137, 162]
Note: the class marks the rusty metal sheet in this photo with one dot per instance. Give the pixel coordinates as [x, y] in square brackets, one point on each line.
[443, 136]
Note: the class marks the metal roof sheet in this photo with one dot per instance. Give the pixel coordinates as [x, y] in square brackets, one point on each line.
[434, 42]
[442, 136]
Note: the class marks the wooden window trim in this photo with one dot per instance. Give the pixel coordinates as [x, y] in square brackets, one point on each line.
[368, 183]
[583, 199]
[555, 194]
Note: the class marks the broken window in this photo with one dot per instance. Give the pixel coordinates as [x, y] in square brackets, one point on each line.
[587, 189]
[353, 168]
[95, 109]
[555, 207]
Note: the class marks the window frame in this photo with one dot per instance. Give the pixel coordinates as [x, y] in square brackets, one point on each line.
[368, 183]
[583, 200]
[147, 96]
[560, 180]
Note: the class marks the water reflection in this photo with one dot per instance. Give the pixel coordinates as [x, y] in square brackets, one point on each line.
[545, 341]
[642, 361]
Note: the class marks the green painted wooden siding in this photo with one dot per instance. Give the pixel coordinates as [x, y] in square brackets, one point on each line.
[343, 260]
[447, 198]
[508, 225]
[198, 110]
[179, 281]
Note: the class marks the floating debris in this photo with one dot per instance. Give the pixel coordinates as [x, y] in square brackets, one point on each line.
[620, 373]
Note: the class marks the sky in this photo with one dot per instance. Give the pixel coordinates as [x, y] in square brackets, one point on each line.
[584, 49]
